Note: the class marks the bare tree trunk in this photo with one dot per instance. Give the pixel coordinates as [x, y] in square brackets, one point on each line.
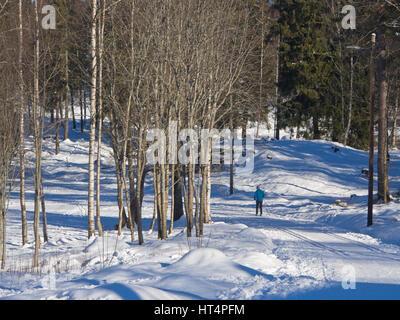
[100, 119]
[122, 221]
[153, 220]
[162, 188]
[138, 207]
[140, 174]
[203, 198]
[190, 168]
[346, 134]
[3, 240]
[37, 176]
[84, 109]
[393, 136]
[91, 223]
[157, 194]
[207, 215]
[3, 221]
[73, 110]
[164, 200]
[58, 125]
[3, 212]
[178, 204]
[231, 165]
[66, 127]
[127, 127]
[394, 126]
[277, 97]
[383, 188]
[131, 177]
[81, 106]
[171, 223]
[371, 132]
[117, 160]
[61, 111]
[44, 216]
[186, 201]
[204, 172]
[42, 197]
[198, 212]
[22, 132]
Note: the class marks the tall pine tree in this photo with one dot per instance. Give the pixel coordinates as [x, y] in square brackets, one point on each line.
[305, 67]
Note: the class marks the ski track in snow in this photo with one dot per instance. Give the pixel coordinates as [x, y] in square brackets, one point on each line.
[298, 249]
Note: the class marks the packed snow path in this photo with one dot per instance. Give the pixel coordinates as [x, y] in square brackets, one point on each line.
[330, 254]
[304, 246]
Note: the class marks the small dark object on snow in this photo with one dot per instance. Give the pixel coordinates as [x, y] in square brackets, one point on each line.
[396, 194]
[341, 203]
[335, 149]
[345, 203]
[364, 172]
[269, 157]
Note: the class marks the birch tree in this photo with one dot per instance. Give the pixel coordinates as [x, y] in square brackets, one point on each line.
[21, 127]
[100, 116]
[92, 132]
[37, 137]
[9, 116]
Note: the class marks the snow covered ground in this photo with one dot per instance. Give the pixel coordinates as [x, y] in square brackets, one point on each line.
[303, 247]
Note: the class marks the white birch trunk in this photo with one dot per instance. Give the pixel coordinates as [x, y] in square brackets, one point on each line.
[100, 121]
[22, 132]
[92, 132]
[35, 111]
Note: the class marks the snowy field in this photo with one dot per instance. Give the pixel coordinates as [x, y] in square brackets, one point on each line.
[303, 247]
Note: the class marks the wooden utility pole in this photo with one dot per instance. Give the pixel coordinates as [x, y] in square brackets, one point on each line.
[371, 133]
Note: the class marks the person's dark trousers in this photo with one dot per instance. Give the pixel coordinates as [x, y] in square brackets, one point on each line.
[258, 205]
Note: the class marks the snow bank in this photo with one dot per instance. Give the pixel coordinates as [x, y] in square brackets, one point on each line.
[298, 248]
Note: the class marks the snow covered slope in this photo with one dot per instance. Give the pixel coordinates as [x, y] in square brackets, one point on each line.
[304, 246]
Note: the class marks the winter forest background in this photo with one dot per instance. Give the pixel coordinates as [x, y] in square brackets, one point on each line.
[110, 71]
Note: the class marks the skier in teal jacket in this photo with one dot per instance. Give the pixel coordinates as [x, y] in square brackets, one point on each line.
[259, 197]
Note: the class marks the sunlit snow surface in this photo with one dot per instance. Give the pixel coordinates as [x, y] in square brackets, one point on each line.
[303, 247]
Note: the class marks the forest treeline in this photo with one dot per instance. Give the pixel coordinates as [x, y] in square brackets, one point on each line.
[135, 65]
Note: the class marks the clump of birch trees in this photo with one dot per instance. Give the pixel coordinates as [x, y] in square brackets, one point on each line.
[170, 69]
[136, 66]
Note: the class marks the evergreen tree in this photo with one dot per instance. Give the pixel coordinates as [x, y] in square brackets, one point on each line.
[305, 65]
